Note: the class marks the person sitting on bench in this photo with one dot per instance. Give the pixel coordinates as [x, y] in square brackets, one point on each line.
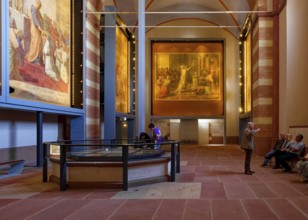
[278, 145]
[302, 168]
[295, 151]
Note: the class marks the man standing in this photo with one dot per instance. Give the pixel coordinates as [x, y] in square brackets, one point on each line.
[247, 144]
[156, 135]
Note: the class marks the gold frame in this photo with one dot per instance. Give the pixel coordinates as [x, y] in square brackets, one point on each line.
[187, 73]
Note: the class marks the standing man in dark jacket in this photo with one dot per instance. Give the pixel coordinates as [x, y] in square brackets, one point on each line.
[247, 144]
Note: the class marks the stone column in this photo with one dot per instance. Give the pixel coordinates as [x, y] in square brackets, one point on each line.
[92, 71]
[265, 78]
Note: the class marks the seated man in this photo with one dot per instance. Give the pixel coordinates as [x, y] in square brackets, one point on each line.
[302, 168]
[278, 145]
[295, 151]
[284, 149]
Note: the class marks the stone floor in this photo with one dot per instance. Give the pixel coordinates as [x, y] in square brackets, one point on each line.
[211, 185]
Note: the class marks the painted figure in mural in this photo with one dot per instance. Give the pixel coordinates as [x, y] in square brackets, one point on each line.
[63, 65]
[211, 80]
[57, 56]
[164, 89]
[182, 82]
[36, 44]
[16, 49]
[214, 72]
[48, 61]
[158, 84]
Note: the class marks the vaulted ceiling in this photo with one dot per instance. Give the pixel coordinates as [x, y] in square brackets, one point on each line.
[228, 14]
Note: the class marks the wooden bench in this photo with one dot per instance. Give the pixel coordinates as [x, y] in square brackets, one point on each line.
[12, 168]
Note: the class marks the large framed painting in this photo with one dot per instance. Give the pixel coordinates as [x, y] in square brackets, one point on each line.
[187, 78]
[122, 67]
[40, 50]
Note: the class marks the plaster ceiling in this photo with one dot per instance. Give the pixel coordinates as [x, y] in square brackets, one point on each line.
[227, 14]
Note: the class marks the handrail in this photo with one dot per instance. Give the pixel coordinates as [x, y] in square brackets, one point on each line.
[66, 146]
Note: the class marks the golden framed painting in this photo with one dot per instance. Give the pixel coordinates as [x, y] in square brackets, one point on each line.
[187, 78]
[122, 66]
[40, 50]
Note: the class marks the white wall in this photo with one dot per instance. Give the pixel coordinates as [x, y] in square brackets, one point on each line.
[19, 128]
[189, 130]
[175, 129]
[231, 63]
[203, 131]
[297, 65]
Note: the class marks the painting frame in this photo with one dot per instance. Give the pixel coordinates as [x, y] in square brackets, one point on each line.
[187, 78]
[40, 61]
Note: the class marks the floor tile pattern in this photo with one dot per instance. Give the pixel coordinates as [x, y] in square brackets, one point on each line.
[212, 185]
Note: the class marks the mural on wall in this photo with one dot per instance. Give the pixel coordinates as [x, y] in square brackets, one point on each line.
[121, 72]
[40, 50]
[187, 78]
[186, 75]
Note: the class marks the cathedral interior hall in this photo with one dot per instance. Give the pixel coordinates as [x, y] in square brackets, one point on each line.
[149, 109]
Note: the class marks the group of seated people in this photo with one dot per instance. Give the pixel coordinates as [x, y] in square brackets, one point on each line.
[285, 150]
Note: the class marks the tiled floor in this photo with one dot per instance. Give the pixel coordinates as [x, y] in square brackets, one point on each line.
[211, 185]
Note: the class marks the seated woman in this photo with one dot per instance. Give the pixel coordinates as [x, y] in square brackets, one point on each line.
[302, 168]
